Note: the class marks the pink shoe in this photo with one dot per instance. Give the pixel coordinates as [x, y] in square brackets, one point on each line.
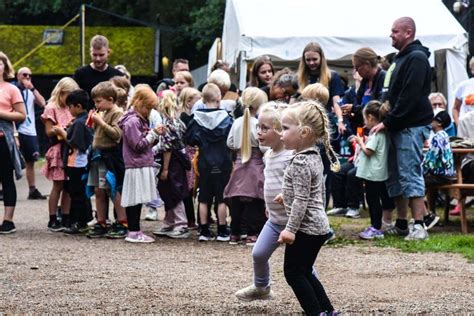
[456, 211]
[138, 237]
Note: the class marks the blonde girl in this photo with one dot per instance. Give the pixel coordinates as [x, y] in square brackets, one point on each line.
[244, 192]
[187, 98]
[305, 124]
[56, 116]
[139, 181]
[276, 160]
[172, 185]
[182, 79]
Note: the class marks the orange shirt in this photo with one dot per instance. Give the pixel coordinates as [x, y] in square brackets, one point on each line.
[9, 95]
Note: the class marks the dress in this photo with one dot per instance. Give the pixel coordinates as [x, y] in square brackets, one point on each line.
[53, 169]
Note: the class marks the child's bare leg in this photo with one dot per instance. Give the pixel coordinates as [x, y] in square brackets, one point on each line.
[54, 196]
[119, 209]
[101, 201]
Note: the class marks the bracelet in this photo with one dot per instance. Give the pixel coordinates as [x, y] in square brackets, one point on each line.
[16, 134]
[340, 120]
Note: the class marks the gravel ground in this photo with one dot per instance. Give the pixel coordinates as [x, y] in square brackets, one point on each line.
[42, 272]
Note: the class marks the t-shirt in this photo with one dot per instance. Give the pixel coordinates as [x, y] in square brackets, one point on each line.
[234, 140]
[466, 130]
[439, 160]
[374, 167]
[87, 78]
[465, 93]
[275, 166]
[9, 95]
[28, 126]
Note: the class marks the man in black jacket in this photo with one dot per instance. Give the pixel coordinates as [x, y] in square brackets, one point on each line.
[407, 84]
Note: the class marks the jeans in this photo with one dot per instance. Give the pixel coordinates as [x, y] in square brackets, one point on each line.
[298, 264]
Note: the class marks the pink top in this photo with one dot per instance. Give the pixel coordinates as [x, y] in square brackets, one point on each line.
[9, 95]
[59, 116]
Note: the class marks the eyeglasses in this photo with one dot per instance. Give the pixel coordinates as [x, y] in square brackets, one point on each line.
[26, 75]
[262, 128]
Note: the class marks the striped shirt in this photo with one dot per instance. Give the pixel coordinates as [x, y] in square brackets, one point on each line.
[304, 194]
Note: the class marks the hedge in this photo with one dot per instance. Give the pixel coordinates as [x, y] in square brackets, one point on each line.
[131, 46]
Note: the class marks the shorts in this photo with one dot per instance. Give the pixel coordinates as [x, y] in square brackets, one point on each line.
[29, 147]
[97, 172]
[405, 155]
[211, 185]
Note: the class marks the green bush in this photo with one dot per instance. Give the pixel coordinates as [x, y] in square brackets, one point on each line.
[131, 46]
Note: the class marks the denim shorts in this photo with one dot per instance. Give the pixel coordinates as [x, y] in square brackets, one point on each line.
[405, 173]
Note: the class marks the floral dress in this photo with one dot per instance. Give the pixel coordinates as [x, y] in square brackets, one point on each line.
[53, 169]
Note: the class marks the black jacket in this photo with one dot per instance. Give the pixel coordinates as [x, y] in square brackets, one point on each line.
[410, 85]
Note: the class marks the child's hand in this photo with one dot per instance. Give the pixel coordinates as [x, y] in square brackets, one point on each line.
[59, 131]
[358, 140]
[286, 237]
[279, 199]
[97, 119]
[164, 175]
[160, 129]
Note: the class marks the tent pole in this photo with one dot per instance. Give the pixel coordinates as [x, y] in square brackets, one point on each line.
[243, 71]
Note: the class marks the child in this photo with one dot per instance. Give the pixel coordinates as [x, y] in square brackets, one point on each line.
[78, 140]
[372, 168]
[276, 160]
[56, 114]
[208, 130]
[182, 79]
[245, 187]
[304, 124]
[172, 185]
[107, 169]
[139, 185]
[438, 164]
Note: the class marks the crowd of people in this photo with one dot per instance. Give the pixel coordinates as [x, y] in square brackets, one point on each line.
[268, 154]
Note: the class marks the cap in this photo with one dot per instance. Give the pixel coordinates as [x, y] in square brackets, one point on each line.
[443, 118]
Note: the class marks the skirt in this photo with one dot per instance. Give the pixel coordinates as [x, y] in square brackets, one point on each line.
[139, 186]
[247, 179]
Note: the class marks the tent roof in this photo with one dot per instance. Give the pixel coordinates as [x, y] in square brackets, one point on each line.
[282, 27]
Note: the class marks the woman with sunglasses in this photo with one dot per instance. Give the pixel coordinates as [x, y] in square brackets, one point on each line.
[282, 87]
[12, 109]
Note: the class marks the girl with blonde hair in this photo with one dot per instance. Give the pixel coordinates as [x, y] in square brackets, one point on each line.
[245, 187]
[182, 79]
[56, 116]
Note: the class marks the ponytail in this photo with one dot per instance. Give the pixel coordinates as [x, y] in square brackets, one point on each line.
[246, 146]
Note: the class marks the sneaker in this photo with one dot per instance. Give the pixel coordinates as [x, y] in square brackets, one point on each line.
[456, 211]
[7, 227]
[179, 233]
[252, 292]
[97, 231]
[353, 212]
[192, 226]
[371, 233]
[331, 236]
[151, 214]
[223, 235]
[138, 237]
[55, 226]
[234, 240]
[394, 230]
[36, 195]
[250, 240]
[338, 211]
[206, 236]
[418, 233]
[117, 231]
[163, 231]
[430, 221]
[75, 229]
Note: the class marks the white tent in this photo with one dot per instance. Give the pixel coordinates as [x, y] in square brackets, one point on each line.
[281, 28]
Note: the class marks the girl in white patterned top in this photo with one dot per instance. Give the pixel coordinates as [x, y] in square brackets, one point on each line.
[304, 124]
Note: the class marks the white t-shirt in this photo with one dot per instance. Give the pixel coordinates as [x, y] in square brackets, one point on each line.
[463, 90]
[28, 126]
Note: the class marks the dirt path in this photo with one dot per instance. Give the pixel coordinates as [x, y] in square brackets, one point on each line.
[42, 272]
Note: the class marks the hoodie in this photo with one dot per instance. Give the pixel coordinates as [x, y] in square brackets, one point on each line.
[409, 83]
[137, 152]
[208, 129]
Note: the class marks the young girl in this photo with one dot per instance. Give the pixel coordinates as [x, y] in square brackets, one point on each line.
[245, 187]
[304, 124]
[276, 160]
[372, 168]
[139, 182]
[172, 185]
[183, 79]
[56, 114]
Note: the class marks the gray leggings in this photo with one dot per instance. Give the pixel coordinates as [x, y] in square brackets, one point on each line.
[263, 249]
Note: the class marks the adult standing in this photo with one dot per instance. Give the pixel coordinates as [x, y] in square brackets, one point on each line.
[464, 96]
[12, 109]
[29, 145]
[98, 70]
[408, 124]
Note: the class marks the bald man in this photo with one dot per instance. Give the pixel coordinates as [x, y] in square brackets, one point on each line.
[27, 129]
[407, 86]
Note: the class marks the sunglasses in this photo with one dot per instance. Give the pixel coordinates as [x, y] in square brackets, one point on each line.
[26, 75]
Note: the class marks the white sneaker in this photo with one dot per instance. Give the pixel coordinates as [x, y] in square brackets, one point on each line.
[163, 231]
[338, 211]
[179, 233]
[252, 292]
[417, 233]
[353, 212]
[151, 214]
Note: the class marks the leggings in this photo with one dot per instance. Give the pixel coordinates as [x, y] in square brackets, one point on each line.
[248, 210]
[6, 175]
[133, 217]
[377, 200]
